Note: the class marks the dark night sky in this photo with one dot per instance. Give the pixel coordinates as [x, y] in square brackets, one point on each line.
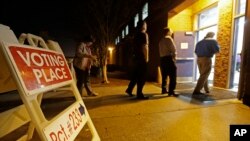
[67, 19]
[54, 16]
[59, 17]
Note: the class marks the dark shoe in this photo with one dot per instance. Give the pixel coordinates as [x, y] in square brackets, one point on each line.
[207, 92]
[164, 92]
[141, 96]
[197, 93]
[129, 93]
[93, 94]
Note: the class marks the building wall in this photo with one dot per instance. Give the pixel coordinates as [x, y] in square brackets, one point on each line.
[186, 20]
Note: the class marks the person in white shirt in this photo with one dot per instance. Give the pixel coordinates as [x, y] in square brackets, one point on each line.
[82, 65]
[167, 50]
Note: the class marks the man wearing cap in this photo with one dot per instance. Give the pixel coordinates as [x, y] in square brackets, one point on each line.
[205, 50]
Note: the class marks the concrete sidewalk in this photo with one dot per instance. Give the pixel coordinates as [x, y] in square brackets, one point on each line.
[118, 117]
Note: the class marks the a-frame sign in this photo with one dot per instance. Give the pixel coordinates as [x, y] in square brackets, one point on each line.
[36, 71]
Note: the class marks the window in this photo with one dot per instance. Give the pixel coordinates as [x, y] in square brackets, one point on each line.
[145, 11]
[240, 7]
[117, 40]
[136, 19]
[123, 33]
[208, 17]
[127, 30]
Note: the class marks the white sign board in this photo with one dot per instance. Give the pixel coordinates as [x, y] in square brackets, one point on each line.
[68, 125]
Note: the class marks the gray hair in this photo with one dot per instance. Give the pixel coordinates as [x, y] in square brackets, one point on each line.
[210, 35]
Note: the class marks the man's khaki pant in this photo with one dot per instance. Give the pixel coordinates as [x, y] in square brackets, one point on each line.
[205, 66]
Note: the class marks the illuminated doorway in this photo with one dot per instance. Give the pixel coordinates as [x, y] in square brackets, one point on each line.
[239, 20]
[207, 22]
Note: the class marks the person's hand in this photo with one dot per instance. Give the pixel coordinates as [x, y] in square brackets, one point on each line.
[94, 58]
[147, 59]
[174, 59]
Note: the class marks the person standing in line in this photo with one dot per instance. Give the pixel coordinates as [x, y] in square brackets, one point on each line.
[205, 50]
[141, 59]
[82, 65]
[167, 50]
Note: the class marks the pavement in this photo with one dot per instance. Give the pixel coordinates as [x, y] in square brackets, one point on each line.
[118, 117]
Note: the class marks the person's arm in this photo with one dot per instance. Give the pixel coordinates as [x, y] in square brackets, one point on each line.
[82, 53]
[214, 47]
[145, 52]
[217, 47]
[146, 49]
[172, 48]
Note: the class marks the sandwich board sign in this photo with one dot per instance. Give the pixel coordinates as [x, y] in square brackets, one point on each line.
[38, 70]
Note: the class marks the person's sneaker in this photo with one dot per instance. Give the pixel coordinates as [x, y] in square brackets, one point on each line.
[93, 94]
[129, 93]
[207, 92]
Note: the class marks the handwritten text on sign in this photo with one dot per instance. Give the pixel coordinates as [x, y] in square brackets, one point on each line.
[40, 68]
[67, 127]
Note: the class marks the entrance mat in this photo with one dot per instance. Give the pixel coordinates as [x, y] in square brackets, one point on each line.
[215, 94]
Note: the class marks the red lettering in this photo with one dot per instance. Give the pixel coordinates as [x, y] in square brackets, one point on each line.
[64, 132]
[60, 136]
[60, 133]
[53, 136]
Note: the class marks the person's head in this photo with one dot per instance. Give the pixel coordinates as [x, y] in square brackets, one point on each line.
[88, 40]
[210, 35]
[142, 26]
[168, 31]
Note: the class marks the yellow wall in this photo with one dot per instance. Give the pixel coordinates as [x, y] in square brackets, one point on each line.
[182, 21]
[201, 5]
[185, 20]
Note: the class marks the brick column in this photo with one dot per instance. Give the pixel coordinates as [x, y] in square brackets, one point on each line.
[222, 61]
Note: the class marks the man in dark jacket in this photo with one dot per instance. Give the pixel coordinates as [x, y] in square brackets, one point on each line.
[205, 50]
[140, 59]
